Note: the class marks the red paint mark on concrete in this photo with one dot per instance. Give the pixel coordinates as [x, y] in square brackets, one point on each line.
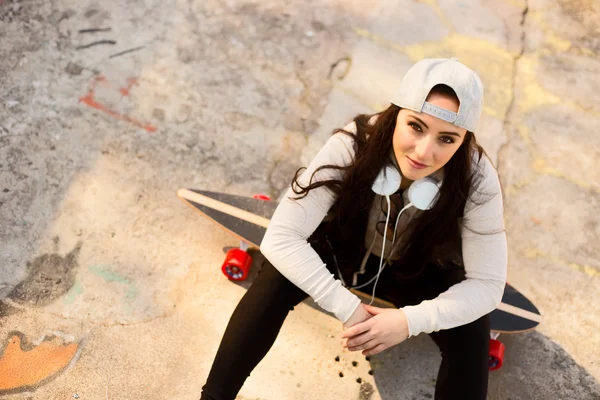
[90, 100]
[24, 367]
[127, 89]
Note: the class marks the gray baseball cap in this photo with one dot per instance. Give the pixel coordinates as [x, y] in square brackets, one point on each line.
[426, 73]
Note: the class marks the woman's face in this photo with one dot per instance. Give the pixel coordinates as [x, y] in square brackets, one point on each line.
[423, 143]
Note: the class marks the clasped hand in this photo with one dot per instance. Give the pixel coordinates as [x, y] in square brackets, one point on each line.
[376, 330]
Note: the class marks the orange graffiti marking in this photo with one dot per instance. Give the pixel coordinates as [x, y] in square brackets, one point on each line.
[21, 369]
[126, 90]
[90, 101]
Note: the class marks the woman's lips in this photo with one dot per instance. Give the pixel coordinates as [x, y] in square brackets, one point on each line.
[415, 164]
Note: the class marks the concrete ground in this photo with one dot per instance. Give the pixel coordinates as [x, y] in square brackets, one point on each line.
[110, 287]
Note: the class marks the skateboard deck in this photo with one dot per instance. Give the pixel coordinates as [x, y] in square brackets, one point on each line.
[247, 219]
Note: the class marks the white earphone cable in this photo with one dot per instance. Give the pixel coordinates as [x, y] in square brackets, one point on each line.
[361, 270]
[382, 255]
[398, 219]
[387, 220]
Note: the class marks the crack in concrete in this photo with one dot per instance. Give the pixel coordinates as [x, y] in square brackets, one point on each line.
[305, 94]
[164, 316]
[275, 192]
[539, 165]
[82, 320]
[534, 253]
[523, 17]
[270, 173]
[507, 119]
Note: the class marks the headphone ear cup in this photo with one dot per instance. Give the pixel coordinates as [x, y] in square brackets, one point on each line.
[387, 182]
[423, 193]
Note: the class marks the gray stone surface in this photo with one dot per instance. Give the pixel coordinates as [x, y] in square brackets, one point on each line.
[96, 250]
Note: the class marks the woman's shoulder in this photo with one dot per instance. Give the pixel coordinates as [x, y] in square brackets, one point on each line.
[485, 182]
[352, 127]
[373, 119]
[485, 169]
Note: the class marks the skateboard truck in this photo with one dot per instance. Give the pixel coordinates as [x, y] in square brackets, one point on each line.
[237, 261]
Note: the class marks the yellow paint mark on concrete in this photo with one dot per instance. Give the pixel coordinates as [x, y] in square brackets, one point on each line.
[534, 253]
[496, 67]
[474, 50]
[554, 41]
[520, 4]
[534, 95]
[436, 7]
[378, 40]
[374, 106]
[541, 167]
[531, 253]
[494, 64]
[515, 187]
[558, 43]
[523, 132]
[551, 38]
[587, 52]
[590, 112]
[491, 112]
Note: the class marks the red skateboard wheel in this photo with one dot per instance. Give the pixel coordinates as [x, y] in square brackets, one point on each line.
[496, 357]
[261, 197]
[237, 264]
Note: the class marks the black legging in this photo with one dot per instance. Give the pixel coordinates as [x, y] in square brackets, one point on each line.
[257, 319]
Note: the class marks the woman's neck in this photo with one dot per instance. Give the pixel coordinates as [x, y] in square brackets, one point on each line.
[405, 183]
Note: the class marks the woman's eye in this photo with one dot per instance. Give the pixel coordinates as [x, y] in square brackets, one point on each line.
[415, 126]
[447, 139]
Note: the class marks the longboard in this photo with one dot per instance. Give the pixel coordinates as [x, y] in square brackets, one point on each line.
[247, 218]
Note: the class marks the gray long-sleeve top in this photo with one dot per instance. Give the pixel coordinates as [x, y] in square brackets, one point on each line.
[484, 247]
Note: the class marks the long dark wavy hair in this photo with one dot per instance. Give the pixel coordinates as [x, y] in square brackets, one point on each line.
[433, 235]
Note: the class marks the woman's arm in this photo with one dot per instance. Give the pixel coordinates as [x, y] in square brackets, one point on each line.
[484, 252]
[285, 243]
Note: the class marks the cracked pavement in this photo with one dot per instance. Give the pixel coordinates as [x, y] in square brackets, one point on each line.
[115, 285]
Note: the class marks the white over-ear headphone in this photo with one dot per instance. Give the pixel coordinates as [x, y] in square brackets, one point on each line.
[387, 182]
[422, 194]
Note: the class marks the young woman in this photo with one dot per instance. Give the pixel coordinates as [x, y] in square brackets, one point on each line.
[403, 204]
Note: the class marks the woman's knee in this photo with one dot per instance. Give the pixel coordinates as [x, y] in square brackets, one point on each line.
[272, 287]
[469, 338]
[464, 370]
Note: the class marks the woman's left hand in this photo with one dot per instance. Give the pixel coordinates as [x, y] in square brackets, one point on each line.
[387, 328]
